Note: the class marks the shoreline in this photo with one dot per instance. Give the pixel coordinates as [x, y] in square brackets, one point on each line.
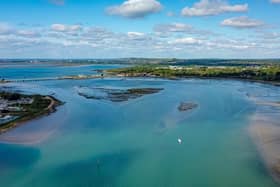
[273, 83]
[264, 129]
[88, 77]
[264, 73]
[51, 108]
[263, 135]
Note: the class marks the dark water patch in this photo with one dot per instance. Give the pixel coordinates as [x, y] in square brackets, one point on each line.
[100, 170]
[257, 164]
[184, 106]
[13, 157]
[116, 95]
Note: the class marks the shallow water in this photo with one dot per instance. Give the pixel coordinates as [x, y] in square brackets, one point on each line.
[134, 143]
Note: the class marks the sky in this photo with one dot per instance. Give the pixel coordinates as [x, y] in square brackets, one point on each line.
[140, 28]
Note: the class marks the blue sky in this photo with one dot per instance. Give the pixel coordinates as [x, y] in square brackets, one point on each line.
[139, 28]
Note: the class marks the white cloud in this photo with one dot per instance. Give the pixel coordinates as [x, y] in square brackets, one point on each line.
[95, 42]
[173, 27]
[231, 44]
[242, 22]
[179, 29]
[65, 28]
[271, 36]
[28, 33]
[135, 34]
[186, 41]
[212, 7]
[135, 8]
[275, 1]
[5, 28]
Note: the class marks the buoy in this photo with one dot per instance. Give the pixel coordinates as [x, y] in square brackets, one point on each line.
[179, 141]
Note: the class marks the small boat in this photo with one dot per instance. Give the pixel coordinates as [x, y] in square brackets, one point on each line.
[179, 141]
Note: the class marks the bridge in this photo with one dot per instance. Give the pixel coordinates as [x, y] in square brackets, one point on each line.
[79, 77]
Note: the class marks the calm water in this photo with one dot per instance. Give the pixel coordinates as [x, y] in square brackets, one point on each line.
[41, 71]
[99, 143]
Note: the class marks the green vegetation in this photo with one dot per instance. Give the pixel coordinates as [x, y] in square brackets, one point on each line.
[22, 108]
[258, 73]
[10, 96]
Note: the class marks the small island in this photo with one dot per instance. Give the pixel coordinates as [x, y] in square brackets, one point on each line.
[184, 106]
[116, 95]
[16, 108]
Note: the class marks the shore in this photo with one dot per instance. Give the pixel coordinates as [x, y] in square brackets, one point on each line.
[262, 74]
[34, 114]
[265, 131]
[274, 83]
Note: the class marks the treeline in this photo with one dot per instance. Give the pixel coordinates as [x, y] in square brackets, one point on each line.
[10, 96]
[265, 73]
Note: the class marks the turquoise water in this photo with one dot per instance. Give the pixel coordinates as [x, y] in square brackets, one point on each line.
[47, 71]
[99, 143]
